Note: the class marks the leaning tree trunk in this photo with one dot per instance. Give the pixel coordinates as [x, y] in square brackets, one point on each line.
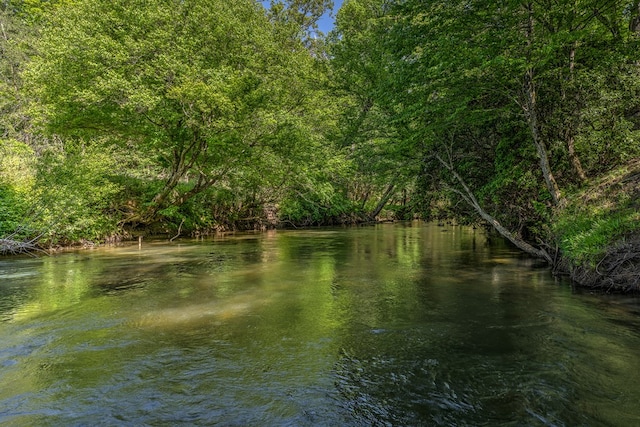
[383, 201]
[468, 196]
[184, 159]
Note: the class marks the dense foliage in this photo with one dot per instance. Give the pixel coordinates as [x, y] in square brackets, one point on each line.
[506, 106]
[190, 115]
[126, 117]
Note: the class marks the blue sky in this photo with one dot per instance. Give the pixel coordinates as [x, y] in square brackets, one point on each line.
[326, 22]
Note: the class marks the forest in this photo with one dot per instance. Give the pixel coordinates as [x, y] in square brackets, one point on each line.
[129, 118]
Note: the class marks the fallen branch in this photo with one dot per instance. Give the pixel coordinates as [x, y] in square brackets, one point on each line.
[15, 247]
[179, 229]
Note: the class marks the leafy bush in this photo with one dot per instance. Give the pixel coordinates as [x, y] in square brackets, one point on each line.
[12, 211]
[17, 177]
[318, 206]
[75, 193]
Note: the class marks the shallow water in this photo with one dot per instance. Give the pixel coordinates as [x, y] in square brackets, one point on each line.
[397, 324]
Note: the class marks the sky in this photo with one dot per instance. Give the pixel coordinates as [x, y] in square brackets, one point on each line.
[326, 22]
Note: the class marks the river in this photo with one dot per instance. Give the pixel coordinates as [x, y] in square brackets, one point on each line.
[408, 324]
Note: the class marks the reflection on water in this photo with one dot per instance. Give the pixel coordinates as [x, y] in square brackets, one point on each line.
[397, 324]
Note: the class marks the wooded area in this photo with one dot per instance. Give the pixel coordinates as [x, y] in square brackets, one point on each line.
[122, 118]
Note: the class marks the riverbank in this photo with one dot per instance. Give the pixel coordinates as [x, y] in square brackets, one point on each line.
[598, 232]
[9, 246]
[617, 271]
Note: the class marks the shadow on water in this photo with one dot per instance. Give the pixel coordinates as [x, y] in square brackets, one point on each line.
[396, 324]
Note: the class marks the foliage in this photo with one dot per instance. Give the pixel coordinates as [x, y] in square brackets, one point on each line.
[323, 205]
[361, 76]
[32, 11]
[14, 51]
[320, 194]
[300, 15]
[202, 86]
[611, 121]
[61, 196]
[17, 180]
[12, 211]
[74, 194]
[498, 93]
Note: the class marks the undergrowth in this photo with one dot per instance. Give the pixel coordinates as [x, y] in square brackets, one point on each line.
[600, 216]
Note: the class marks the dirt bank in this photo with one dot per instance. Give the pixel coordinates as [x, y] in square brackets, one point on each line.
[617, 271]
[612, 199]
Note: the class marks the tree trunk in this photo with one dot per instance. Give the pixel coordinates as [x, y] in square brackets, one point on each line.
[573, 156]
[184, 159]
[470, 198]
[634, 23]
[383, 201]
[531, 112]
[532, 119]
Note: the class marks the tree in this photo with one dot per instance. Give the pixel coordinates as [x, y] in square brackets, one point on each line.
[303, 14]
[14, 52]
[361, 70]
[201, 87]
[484, 88]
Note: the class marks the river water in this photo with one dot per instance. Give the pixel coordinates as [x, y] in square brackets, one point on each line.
[398, 324]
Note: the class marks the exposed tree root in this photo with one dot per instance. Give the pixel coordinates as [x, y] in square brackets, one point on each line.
[617, 271]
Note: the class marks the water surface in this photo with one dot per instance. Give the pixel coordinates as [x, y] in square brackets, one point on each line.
[397, 324]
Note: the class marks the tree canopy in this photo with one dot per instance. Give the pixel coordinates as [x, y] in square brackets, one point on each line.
[204, 88]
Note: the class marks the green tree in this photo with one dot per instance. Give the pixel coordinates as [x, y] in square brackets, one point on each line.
[361, 70]
[486, 90]
[14, 54]
[204, 88]
[302, 14]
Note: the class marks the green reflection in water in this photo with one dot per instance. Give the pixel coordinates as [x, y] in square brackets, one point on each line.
[403, 324]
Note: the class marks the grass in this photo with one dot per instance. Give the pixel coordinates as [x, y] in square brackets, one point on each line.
[600, 216]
